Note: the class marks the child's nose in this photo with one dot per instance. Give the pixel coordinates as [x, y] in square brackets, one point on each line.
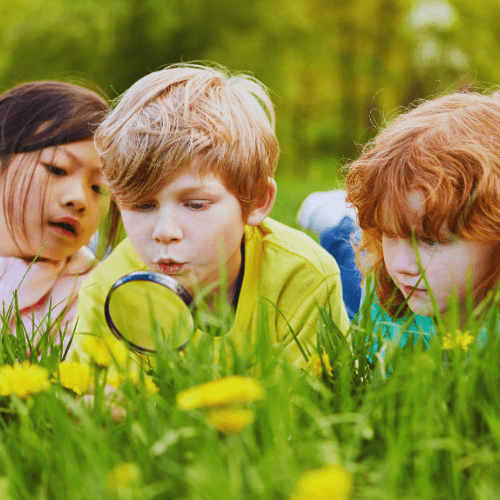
[75, 196]
[405, 261]
[167, 228]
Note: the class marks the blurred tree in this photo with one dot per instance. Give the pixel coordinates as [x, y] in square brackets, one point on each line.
[337, 70]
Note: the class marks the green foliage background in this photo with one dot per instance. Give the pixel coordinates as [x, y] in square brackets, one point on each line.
[337, 69]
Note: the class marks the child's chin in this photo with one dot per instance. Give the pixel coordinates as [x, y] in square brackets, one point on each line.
[56, 255]
[421, 310]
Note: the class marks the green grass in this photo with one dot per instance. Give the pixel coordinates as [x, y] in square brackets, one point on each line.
[429, 430]
[291, 193]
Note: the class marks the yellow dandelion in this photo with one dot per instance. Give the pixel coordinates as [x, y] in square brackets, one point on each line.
[105, 351]
[462, 339]
[330, 482]
[23, 380]
[315, 364]
[123, 476]
[230, 420]
[448, 342]
[116, 379]
[151, 387]
[233, 389]
[74, 376]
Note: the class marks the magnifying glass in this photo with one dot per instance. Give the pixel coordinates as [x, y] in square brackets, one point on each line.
[145, 309]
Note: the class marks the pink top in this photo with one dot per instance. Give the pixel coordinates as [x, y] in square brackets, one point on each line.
[45, 286]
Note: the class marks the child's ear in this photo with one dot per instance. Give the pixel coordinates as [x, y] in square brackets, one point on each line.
[259, 213]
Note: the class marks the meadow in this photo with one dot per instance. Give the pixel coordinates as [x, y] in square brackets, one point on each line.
[368, 420]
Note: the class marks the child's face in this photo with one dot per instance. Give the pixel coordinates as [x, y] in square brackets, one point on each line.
[448, 266]
[68, 182]
[188, 230]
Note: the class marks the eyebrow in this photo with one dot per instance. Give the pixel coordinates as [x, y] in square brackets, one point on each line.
[191, 190]
[78, 161]
[71, 155]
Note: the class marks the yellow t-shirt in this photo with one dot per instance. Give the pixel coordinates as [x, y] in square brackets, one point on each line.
[283, 267]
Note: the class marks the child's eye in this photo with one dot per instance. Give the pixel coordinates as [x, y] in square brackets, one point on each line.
[99, 189]
[59, 172]
[197, 205]
[145, 207]
[430, 242]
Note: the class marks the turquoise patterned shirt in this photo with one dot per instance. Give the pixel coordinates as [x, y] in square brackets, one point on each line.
[412, 326]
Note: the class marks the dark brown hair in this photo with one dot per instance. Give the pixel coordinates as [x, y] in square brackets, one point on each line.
[37, 115]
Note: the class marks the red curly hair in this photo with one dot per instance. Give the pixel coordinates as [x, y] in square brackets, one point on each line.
[448, 150]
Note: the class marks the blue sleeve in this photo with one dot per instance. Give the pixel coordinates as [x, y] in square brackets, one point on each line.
[337, 241]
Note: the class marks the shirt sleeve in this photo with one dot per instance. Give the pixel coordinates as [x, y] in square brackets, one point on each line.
[304, 321]
[89, 317]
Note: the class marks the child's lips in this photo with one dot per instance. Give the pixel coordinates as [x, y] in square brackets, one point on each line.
[67, 226]
[416, 291]
[171, 267]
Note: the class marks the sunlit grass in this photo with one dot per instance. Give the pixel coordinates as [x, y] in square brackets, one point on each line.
[397, 423]
[430, 429]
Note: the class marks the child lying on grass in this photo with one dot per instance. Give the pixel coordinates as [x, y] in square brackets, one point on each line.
[52, 197]
[189, 154]
[433, 172]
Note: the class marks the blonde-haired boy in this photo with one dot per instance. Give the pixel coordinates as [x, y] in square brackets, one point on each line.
[189, 154]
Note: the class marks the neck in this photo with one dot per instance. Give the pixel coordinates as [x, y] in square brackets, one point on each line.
[42, 259]
[235, 280]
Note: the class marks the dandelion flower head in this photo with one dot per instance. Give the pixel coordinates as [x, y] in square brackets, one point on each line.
[461, 339]
[330, 482]
[315, 364]
[228, 390]
[74, 376]
[230, 420]
[123, 475]
[23, 380]
[105, 351]
[117, 379]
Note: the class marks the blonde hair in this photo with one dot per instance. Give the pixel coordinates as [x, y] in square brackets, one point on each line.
[446, 149]
[185, 110]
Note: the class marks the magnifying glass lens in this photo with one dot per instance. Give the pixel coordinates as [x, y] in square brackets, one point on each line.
[145, 313]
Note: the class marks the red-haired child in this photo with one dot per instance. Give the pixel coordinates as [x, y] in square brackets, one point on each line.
[433, 172]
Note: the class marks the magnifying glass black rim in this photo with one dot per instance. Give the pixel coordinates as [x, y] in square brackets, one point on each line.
[161, 279]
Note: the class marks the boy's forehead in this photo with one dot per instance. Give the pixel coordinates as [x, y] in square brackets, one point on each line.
[193, 176]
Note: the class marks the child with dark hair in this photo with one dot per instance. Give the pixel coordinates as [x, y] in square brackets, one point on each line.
[53, 196]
